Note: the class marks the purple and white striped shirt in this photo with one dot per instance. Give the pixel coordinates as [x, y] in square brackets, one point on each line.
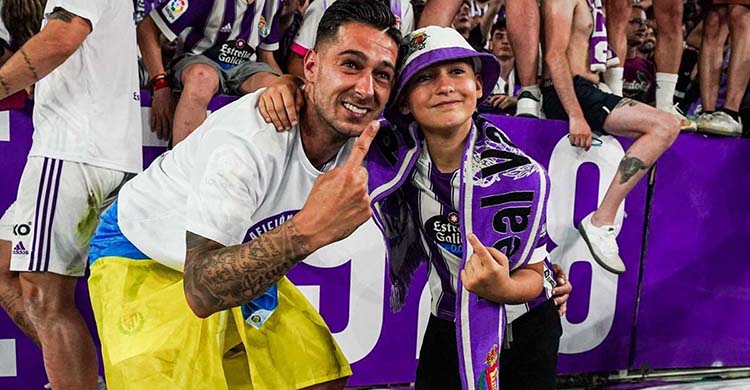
[437, 199]
[227, 31]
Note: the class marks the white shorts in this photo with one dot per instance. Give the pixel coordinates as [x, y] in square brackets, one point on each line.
[6, 224]
[56, 211]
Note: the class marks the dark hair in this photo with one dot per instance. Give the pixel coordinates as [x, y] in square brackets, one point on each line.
[22, 18]
[499, 25]
[370, 13]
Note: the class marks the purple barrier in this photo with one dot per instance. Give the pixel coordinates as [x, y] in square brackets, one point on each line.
[596, 330]
[695, 303]
[350, 287]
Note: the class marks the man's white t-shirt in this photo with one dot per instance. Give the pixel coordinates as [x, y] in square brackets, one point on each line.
[88, 109]
[306, 36]
[230, 181]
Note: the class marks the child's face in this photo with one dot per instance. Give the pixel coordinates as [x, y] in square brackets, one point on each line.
[443, 96]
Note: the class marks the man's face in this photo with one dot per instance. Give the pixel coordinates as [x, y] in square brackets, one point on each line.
[350, 77]
[649, 41]
[462, 20]
[501, 45]
[636, 28]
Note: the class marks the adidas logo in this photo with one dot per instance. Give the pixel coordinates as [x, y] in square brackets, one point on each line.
[20, 249]
[227, 28]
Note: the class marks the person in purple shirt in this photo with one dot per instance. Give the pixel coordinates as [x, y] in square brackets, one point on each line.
[639, 77]
[224, 46]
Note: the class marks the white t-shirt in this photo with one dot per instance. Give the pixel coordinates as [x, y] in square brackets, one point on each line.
[88, 109]
[306, 36]
[230, 181]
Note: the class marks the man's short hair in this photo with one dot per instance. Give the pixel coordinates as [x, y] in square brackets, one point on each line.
[367, 12]
[500, 24]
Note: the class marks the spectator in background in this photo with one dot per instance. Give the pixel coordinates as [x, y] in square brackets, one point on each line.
[80, 156]
[573, 93]
[305, 39]
[221, 49]
[503, 96]
[725, 121]
[290, 21]
[668, 15]
[640, 71]
[476, 29]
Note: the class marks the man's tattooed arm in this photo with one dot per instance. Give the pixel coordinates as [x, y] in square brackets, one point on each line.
[629, 166]
[45, 51]
[219, 278]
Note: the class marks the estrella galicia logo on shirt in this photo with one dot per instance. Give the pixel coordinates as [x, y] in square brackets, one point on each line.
[231, 53]
[444, 230]
[174, 9]
[268, 224]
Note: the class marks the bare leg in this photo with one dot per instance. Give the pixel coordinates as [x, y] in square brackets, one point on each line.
[668, 15]
[715, 33]
[523, 32]
[11, 298]
[654, 131]
[200, 83]
[739, 61]
[439, 13]
[257, 81]
[69, 353]
[618, 13]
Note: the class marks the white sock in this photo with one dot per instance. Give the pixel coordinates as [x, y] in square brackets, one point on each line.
[613, 79]
[665, 86]
[533, 89]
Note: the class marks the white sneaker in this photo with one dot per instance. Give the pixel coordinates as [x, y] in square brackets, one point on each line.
[528, 105]
[686, 124]
[602, 242]
[720, 123]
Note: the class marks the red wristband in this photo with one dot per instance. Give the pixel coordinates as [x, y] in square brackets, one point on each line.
[159, 83]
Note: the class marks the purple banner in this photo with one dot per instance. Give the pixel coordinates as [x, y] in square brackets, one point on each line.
[596, 329]
[695, 303]
[680, 297]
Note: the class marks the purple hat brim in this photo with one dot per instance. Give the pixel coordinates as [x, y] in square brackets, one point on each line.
[490, 73]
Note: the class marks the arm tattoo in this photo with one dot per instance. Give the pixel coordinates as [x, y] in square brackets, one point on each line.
[625, 102]
[29, 64]
[219, 278]
[61, 14]
[629, 166]
[5, 86]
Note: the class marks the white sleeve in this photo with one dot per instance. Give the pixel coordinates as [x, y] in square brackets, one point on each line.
[91, 10]
[407, 19]
[226, 190]
[305, 39]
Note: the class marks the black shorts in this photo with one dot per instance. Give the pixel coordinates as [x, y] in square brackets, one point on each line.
[595, 104]
[529, 364]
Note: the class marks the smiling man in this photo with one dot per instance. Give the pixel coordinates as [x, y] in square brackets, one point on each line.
[186, 265]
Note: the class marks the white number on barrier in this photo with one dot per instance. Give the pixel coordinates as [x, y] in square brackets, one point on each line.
[563, 169]
[149, 137]
[366, 249]
[8, 358]
[4, 126]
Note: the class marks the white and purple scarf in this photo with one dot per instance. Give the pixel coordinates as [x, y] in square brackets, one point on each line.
[601, 55]
[502, 200]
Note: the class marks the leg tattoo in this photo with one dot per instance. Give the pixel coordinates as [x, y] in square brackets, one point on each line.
[629, 166]
[625, 102]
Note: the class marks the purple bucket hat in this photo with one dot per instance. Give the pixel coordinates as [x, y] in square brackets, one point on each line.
[430, 45]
